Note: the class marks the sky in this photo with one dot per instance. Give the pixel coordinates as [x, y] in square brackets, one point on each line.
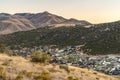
[94, 11]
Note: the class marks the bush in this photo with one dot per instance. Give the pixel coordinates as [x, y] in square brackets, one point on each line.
[65, 67]
[44, 76]
[40, 57]
[53, 70]
[2, 48]
[71, 78]
[19, 77]
[2, 74]
[6, 50]
[29, 74]
[95, 73]
[5, 63]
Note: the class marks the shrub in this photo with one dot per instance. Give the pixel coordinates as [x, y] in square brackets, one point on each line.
[70, 77]
[82, 72]
[6, 63]
[29, 74]
[6, 50]
[76, 79]
[2, 48]
[2, 74]
[19, 77]
[65, 67]
[95, 73]
[44, 76]
[40, 57]
[97, 79]
[53, 70]
[23, 72]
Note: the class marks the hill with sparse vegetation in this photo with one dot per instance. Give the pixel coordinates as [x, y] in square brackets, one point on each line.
[18, 68]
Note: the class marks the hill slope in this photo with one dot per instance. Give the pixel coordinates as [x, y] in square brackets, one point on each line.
[48, 19]
[10, 24]
[18, 68]
[99, 39]
[27, 21]
[44, 36]
[43, 19]
[104, 39]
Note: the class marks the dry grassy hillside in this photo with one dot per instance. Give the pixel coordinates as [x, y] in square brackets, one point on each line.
[18, 68]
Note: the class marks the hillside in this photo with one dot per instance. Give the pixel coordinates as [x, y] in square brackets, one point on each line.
[48, 19]
[27, 21]
[43, 19]
[104, 39]
[98, 39]
[61, 36]
[18, 68]
[10, 23]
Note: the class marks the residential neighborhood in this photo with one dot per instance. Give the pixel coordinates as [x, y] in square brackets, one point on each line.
[73, 56]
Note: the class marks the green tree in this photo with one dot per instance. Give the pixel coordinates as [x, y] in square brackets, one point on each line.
[2, 48]
[6, 50]
[40, 57]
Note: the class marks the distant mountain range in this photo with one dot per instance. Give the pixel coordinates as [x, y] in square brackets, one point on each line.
[28, 21]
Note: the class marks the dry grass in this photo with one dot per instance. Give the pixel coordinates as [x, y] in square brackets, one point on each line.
[18, 68]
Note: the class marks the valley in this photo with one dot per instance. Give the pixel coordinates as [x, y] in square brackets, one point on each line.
[68, 42]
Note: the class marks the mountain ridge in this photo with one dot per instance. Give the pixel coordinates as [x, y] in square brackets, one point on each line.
[28, 21]
[11, 23]
[49, 18]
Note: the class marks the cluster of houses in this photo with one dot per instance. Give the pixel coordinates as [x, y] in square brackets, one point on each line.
[73, 56]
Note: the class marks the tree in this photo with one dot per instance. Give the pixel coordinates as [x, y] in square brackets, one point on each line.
[40, 57]
[6, 50]
[2, 48]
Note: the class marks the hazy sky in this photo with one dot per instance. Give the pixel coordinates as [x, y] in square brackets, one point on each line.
[95, 11]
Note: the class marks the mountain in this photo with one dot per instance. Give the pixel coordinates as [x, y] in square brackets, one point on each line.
[43, 19]
[48, 19]
[27, 21]
[11, 23]
[98, 39]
